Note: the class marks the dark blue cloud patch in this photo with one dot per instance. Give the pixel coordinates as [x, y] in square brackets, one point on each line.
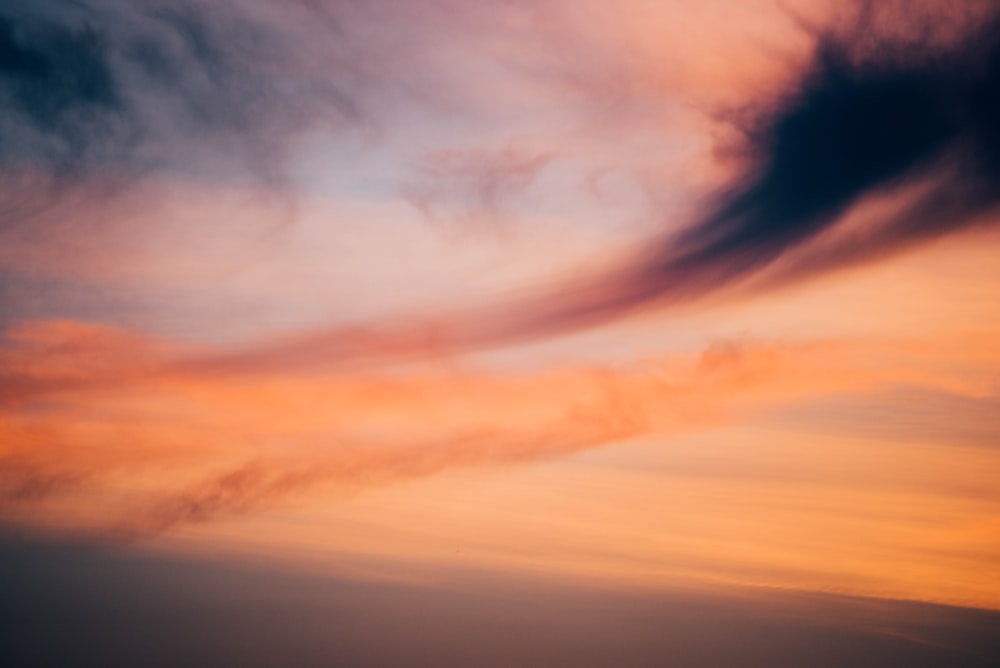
[59, 95]
[852, 128]
[856, 123]
[104, 90]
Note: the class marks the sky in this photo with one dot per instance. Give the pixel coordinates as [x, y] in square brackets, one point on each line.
[427, 332]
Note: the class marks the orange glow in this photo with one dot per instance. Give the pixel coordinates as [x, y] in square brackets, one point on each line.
[696, 497]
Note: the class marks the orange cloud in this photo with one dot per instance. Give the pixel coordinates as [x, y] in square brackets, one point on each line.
[93, 410]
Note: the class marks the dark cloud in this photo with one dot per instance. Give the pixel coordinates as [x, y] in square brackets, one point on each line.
[57, 80]
[853, 127]
[103, 90]
[859, 122]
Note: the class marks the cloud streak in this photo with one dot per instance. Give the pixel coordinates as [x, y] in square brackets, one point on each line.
[474, 185]
[193, 444]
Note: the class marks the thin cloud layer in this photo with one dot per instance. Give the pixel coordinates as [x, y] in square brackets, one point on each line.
[86, 417]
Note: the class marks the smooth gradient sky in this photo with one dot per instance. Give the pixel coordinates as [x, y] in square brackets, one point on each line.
[481, 333]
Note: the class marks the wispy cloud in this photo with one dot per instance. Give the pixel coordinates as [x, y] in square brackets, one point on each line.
[86, 408]
[474, 186]
[107, 90]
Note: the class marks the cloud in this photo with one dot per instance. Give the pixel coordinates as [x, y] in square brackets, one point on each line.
[167, 137]
[264, 484]
[98, 94]
[93, 85]
[89, 418]
[99, 98]
[851, 127]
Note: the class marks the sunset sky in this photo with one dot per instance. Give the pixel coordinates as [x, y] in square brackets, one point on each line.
[523, 333]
